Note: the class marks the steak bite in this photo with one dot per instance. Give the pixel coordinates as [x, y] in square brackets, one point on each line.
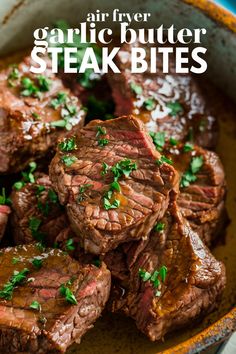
[111, 183]
[47, 299]
[172, 280]
[202, 188]
[38, 216]
[34, 111]
[171, 102]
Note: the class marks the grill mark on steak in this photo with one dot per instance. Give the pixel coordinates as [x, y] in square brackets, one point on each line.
[20, 326]
[164, 89]
[25, 137]
[194, 282]
[144, 195]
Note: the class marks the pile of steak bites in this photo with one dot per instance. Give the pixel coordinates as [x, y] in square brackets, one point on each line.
[133, 201]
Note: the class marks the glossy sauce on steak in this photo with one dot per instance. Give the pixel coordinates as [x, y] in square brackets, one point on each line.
[47, 299]
[112, 184]
[34, 111]
[172, 278]
[169, 102]
[202, 188]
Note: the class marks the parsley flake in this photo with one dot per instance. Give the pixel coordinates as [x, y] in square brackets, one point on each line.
[68, 144]
[160, 226]
[68, 295]
[137, 89]
[158, 139]
[175, 108]
[70, 245]
[164, 159]
[190, 175]
[35, 305]
[149, 104]
[68, 160]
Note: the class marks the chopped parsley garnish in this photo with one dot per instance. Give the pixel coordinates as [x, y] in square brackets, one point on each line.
[43, 207]
[13, 76]
[82, 191]
[103, 142]
[164, 159]
[149, 104]
[190, 175]
[158, 139]
[3, 199]
[52, 196]
[37, 262]
[108, 205]
[68, 112]
[175, 107]
[173, 141]
[160, 226]
[144, 275]
[29, 88]
[137, 89]
[18, 185]
[155, 278]
[188, 147]
[35, 305]
[28, 176]
[34, 224]
[68, 295]
[15, 260]
[44, 83]
[123, 167]
[196, 164]
[68, 144]
[101, 131]
[39, 190]
[70, 245]
[60, 99]
[35, 115]
[16, 279]
[68, 160]
[105, 168]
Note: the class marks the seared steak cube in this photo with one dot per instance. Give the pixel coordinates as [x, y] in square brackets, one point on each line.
[172, 279]
[34, 111]
[38, 216]
[47, 300]
[171, 102]
[202, 188]
[113, 182]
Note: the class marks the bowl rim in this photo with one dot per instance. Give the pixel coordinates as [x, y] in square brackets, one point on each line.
[212, 335]
[216, 12]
